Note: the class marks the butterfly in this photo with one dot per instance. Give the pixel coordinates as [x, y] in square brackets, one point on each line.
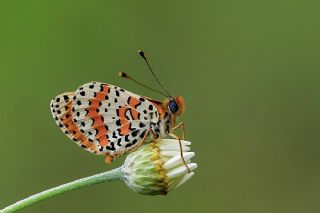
[107, 120]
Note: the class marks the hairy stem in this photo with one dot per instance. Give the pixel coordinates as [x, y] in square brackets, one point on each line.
[112, 175]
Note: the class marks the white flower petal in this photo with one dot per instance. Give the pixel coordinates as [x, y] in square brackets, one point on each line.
[177, 160]
[169, 153]
[181, 170]
[184, 179]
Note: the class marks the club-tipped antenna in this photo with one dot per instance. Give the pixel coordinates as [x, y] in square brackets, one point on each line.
[141, 53]
[125, 75]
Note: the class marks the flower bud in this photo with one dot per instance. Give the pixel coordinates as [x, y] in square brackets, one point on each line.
[157, 168]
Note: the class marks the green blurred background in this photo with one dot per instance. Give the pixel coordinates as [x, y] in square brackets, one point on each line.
[249, 71]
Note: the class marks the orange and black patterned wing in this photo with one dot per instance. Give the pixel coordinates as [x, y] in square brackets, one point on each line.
[61, 108]
[108, 119]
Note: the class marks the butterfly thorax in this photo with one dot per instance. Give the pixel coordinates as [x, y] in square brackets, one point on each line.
[161, 128]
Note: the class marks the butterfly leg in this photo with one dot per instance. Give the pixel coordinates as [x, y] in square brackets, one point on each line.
[147, 134]
[181, 152]
[180, 125]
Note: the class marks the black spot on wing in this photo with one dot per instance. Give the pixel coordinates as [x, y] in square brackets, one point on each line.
[66, 98]
[143, 133]
[132, 143]
[114, 135]
[134, 133]
[141, 125]
[111, 146]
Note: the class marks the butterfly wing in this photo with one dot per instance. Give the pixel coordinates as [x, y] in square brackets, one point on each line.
[111, 119]
[61, 108]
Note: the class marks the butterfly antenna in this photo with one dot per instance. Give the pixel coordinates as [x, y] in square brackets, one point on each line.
[141, 53]
[125, 75]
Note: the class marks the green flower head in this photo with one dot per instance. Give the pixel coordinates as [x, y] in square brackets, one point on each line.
[157, 168]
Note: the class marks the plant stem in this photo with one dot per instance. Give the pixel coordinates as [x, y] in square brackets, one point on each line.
[115, 174]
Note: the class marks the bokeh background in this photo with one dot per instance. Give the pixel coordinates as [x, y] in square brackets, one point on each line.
[249, 71]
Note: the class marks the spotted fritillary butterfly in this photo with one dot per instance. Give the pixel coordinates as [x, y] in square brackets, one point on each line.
[107, 120]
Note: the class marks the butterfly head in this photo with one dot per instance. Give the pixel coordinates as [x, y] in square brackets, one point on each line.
[176, 105]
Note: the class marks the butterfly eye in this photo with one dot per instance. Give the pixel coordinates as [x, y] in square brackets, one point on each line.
[173, 106]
